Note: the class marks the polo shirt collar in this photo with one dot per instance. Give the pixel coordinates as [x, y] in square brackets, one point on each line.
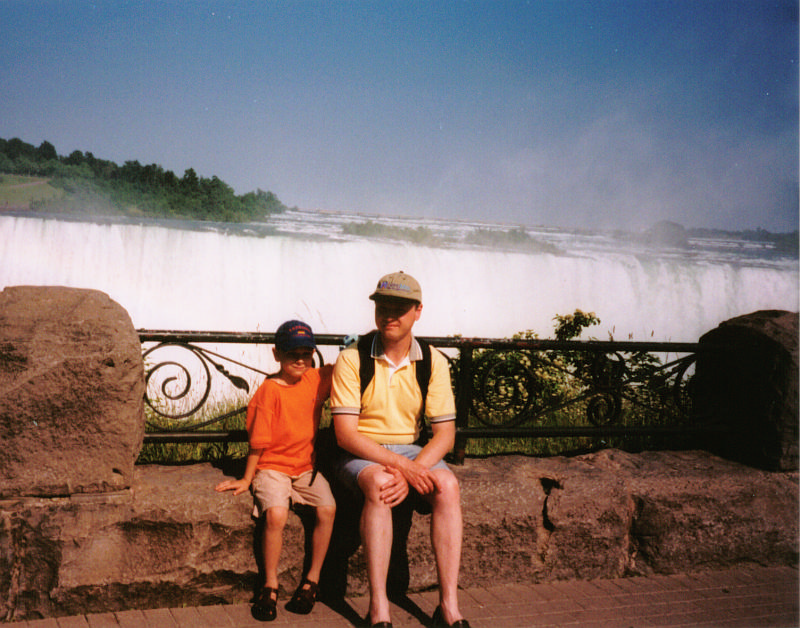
[414, 353]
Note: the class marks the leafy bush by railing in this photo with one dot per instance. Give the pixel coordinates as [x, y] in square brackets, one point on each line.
[562, 396]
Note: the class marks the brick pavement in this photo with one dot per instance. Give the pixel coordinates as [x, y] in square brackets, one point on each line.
[744, 597]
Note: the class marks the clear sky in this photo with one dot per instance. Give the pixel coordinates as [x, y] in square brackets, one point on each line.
[571, 113]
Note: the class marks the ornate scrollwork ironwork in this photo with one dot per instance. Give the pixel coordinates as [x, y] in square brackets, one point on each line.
[608, 372]
[520, 387]
[175, 392]
[512, 388]
[523, 387]
[504, 387]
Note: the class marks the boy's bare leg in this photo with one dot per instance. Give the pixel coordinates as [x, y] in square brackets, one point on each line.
[273, 541]
[376, 535]
[446, 537]
[320, 540]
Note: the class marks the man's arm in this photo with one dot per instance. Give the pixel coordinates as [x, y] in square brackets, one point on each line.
[441, 406]
[440, 444]
[348, 437]
[415, 473]
[345, 404]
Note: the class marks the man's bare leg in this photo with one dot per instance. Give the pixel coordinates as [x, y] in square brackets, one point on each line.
[376, 535]
[446, 537]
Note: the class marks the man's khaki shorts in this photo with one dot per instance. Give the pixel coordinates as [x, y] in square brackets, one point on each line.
[273, 488]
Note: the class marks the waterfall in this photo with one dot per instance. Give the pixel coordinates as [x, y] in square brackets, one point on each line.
[176, 278]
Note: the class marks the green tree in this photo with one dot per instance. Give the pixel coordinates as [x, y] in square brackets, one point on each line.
[75, 158]
[190, 183]
[132, 188]
[17, 149]
[46, 152]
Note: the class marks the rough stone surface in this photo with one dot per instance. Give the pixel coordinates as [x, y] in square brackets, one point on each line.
[749, 385]
[84, 530]
[612, 514]
[71, 387]
[171, 539]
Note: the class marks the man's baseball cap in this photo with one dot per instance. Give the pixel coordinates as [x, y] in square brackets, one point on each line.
[398, 286]
[294, 334]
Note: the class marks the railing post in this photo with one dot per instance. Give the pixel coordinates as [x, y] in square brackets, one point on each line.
[463, 402]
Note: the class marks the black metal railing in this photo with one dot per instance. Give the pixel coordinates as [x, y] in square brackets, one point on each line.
[504, 389]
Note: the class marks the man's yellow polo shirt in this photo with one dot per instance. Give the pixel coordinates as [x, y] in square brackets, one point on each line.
[389, 411]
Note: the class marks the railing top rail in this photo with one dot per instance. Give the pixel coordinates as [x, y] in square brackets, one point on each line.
[457, 342]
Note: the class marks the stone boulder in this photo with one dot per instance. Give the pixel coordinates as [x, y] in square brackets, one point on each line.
[611, 514]
[71, 389]
[746, 382]
[172, 540]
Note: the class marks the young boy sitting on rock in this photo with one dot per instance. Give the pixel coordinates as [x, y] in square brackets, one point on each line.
[282, 422]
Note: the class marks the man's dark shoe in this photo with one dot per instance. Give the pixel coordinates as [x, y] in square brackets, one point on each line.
[439, 622]
[378, 624]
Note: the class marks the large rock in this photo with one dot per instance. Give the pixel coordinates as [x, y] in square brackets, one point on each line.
[612, 514]
[172, 540]
[71, 388]
[746, 382]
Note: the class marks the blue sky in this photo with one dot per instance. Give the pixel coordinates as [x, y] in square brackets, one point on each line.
[612, 114]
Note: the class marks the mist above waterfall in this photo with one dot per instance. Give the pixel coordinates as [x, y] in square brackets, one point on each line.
[171, 275]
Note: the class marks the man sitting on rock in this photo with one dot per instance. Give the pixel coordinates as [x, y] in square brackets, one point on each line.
[380, 430]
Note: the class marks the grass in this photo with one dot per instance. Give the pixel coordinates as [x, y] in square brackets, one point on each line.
[572, 445]
[509, 240]
[184, 453]
[18, 191]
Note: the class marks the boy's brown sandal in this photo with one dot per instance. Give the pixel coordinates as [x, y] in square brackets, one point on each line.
[265, 608]
[304, 597]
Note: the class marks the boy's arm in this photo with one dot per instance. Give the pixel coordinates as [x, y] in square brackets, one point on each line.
[240, 486]
[325, 377]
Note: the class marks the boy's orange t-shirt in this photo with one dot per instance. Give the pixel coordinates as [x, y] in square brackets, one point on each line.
[283, 421]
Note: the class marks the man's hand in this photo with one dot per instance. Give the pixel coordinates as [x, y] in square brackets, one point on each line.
[394, 490]
[237, 486]
[420, 477]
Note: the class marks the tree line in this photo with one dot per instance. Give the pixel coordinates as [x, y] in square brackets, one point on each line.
[93, 185]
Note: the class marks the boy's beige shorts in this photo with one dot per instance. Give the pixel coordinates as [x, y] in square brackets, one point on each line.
[273, 488]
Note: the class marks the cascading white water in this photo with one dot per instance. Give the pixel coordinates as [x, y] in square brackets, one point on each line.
[171, 278]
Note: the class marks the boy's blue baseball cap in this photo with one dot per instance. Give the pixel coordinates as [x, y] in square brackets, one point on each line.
[294, 334]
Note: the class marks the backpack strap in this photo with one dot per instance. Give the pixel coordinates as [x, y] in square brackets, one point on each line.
[423, 368]
[366, 364]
